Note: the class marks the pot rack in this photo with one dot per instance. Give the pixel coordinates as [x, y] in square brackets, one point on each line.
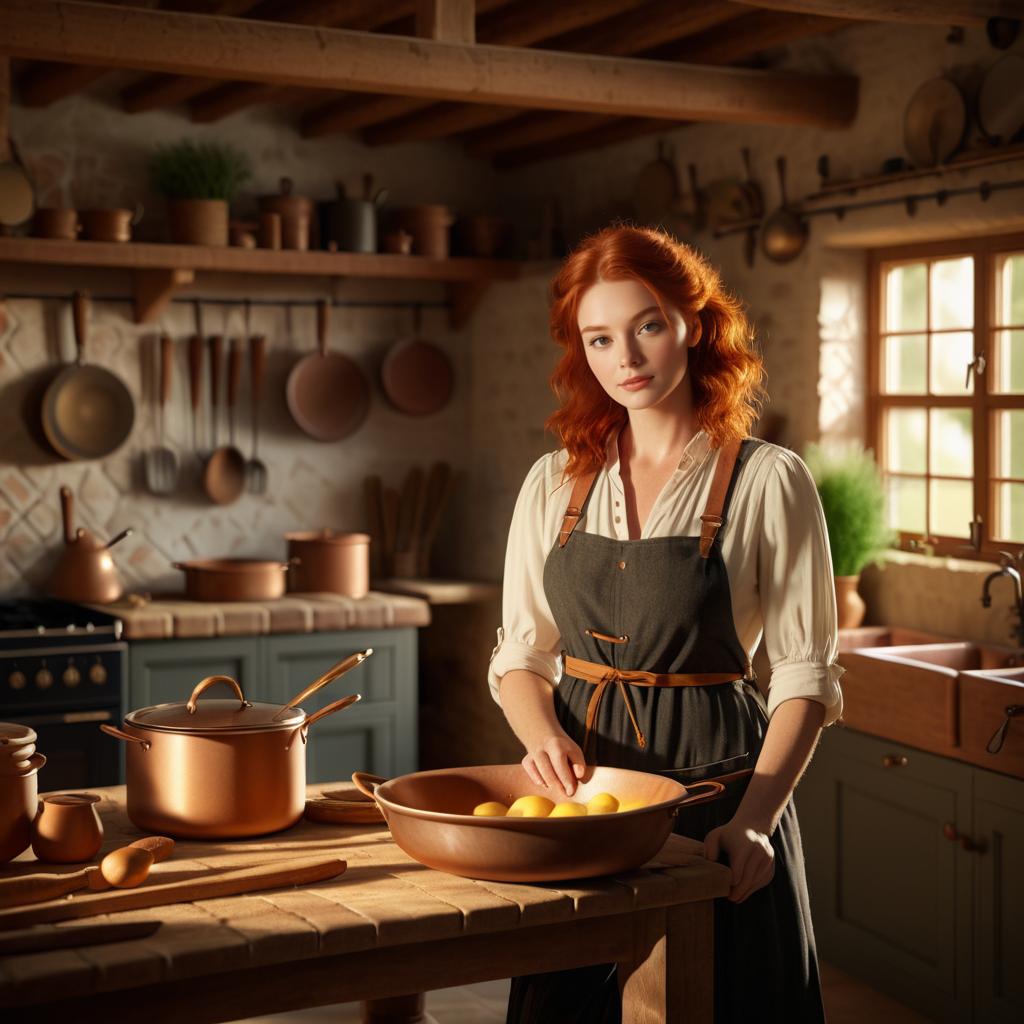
[910, 201]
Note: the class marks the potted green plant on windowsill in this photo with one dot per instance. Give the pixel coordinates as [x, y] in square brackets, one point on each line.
[199, 180]
[853, 501]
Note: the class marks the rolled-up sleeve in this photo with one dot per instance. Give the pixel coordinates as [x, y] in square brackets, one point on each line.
[528, 637]
[795, 582]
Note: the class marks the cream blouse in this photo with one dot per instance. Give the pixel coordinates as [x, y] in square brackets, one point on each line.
[774, 544]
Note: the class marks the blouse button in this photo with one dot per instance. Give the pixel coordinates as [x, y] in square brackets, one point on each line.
[618, 519]
[622, 565]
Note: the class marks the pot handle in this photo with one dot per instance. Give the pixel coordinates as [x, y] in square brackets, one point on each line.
[118, 734]
[338, 705]
[330, 675]
[367, 783]
[204, 684]
[716, 790]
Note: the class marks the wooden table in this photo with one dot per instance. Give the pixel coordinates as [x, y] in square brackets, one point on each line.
[387, 927]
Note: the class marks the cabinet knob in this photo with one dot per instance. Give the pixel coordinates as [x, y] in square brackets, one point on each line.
[949, 830]
[894, 761]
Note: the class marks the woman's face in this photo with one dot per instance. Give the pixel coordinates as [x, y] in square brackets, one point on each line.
[626, 337]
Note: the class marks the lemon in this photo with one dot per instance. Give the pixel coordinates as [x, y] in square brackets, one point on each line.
[632, 805]
[531, 807]
[491, 809]
[568, 809]
[602, 803]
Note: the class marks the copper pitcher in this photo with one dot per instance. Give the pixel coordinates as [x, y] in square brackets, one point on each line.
[85, 571]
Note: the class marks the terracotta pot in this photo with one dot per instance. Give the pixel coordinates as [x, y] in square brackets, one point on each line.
[219, 768]
[56, 222]
[338, 563]
[429, 224]
[198, 221]
[107, 225]
[67, 829]
[233, 579]
[296, 213]
[18, 802]
[850, 607]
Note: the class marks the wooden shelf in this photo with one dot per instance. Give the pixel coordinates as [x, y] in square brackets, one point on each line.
[160, 270]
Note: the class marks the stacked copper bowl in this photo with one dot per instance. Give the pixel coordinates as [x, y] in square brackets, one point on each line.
[19, 797]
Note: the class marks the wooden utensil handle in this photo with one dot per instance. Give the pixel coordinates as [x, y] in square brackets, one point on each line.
[80, 318]
[257, 365]
[216, 359]
[276, 874]
[16, 892]
[323, 325]
[67, 511]
[195, 369]
[166, 365]
[234, 372]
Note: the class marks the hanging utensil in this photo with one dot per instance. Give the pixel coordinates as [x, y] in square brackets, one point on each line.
[224, 476]
[416, 375]
[195, 378]
[656, 190]
[1001, 100]
[934, 122]
[784, 233]
[88, 412]
[161, 463]
[334, 672]
[255, 470]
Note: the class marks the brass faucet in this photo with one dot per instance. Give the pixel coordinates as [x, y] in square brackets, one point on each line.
[1010, 566]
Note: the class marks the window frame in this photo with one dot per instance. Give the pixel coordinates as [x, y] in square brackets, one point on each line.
[984, 249]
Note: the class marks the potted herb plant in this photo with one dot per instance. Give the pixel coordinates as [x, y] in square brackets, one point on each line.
[853, 501]
[199, 180]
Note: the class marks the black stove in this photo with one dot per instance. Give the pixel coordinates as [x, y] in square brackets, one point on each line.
[62, 671]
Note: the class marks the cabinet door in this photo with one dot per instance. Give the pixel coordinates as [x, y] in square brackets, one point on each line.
[999, 897]
[161, 671]
[890, 894]
[378, 734]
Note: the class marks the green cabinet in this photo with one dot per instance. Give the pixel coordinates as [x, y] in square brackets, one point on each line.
[379, 734]
[909, 867]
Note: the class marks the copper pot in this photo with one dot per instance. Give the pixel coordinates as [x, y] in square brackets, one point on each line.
[18, 804]
[233, 579]
[430, 815]
[220, 768]
[338, 563]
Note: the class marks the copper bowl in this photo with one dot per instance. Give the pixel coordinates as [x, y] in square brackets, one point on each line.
[430, 815]
[233, 579]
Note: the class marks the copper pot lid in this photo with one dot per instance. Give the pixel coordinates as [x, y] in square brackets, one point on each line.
[328, 537]
[216, 716]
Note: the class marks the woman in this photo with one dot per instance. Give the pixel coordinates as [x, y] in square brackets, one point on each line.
[663, 539]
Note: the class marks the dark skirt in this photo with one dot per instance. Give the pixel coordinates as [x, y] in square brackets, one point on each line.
[765, 962]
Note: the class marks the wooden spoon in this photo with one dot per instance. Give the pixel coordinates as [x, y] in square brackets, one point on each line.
[224, 476]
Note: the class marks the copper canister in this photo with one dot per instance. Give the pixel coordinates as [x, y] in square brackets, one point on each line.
[322, 560]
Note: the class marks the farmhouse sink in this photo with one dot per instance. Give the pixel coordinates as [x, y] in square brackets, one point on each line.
[992, 718]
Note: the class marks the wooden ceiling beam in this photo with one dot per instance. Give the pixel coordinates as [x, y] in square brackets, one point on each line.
[446, 21]
[518, 24]
[915, 12]
[736, 41]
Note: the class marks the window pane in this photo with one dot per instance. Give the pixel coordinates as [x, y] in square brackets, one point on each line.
[1009, 524]
[951, 445]
[906, 433]
[1010, 291]
[950, 355]
[1009, 375]
[952, 293]
[906, 365]
[906, 504]
[905, 298]
[1009, 437]
[952, 507]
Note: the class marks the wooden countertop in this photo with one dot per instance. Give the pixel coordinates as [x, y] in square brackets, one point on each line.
[168, 616]
[387, 921]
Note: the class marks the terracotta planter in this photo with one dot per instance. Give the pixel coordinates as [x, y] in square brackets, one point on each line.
[198, 221]
[850, 607]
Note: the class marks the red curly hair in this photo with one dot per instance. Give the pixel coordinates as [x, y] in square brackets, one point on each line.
[726, 374]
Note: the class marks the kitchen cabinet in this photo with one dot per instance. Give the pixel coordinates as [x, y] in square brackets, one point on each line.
[378, 734]
[909, 867]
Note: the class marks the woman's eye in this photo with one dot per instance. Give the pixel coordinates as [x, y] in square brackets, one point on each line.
[594, 341]
[651, 323]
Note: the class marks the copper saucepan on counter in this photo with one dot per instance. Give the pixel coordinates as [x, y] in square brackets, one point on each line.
[430, 815]
[211, 769]
[233, 579]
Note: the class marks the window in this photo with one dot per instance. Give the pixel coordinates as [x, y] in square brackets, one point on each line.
[946, 391]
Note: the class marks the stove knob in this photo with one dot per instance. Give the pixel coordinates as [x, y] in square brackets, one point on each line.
[44, 678]
[16, 680]
[97, 673]
[71, 676]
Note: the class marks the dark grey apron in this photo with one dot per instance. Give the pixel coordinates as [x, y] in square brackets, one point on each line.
[675, 608]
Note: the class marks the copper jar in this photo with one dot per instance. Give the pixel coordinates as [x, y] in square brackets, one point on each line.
[322, 560]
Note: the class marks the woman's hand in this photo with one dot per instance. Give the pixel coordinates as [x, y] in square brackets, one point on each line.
[750, 854]
[555, 761]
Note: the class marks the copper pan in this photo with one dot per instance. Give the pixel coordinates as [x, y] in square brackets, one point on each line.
[430, 815]
[233, 579]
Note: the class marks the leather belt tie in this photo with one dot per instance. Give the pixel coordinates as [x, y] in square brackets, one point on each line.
[604, 675]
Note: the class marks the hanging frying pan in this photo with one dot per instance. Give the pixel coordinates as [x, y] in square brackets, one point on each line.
[934, 122]
[87, 410]
[328, 394]
[416, 376]
[1001, 99]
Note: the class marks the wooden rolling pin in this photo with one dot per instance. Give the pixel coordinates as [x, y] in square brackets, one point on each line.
[35, 940]
[275, 875]
[16, 892]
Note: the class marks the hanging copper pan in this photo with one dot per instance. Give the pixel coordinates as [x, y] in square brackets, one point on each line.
[417, 376]
[87, 410]
[328, 394]
[430, 815]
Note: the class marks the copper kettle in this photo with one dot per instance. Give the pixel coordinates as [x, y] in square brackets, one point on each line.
[85, 571]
